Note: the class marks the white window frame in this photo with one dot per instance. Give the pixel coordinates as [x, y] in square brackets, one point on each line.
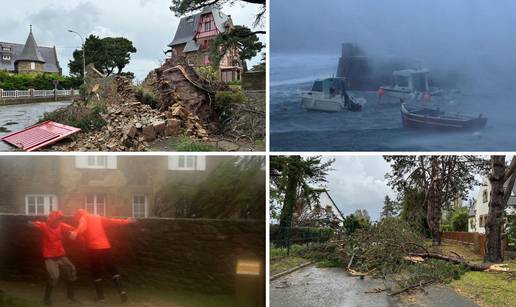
[180, 163]
[95, 203]
[6, 57]
[49, 203]
[144, 203]
[6, 48]
[110, 162]
[485, 196]
[32, 65]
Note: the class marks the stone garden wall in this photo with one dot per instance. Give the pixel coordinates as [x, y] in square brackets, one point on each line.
[192, 254]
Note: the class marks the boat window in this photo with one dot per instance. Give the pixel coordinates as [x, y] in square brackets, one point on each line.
[401, 81]
[317, 86]
[420, 83]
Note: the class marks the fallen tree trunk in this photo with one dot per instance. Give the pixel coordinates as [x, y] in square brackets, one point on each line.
[456, 260]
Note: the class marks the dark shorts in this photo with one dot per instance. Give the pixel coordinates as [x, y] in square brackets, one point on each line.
[100, 260]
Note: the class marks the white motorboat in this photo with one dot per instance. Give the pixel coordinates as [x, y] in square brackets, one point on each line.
[410, 85]
[329, 95]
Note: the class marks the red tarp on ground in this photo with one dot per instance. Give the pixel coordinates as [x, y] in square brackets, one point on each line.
[39, 136]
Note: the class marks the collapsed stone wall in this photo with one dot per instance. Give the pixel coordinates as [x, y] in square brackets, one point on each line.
[191, 254]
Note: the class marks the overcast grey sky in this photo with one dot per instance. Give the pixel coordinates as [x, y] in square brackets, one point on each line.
[358, 182]
[148, 23]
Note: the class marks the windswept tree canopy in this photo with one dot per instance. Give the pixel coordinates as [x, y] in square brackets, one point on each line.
[241, 39]
[184, 7]
[292, 179]
[107, 54]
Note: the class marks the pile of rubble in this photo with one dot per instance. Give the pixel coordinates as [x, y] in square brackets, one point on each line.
[130, 124]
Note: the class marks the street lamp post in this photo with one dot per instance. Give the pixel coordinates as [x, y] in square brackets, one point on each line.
[83, 56]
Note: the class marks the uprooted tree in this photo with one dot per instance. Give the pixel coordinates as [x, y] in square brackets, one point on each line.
[442, 179]
[501, 178]
[292, 178]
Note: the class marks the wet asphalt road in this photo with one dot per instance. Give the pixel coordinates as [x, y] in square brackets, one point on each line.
[17, 117]
[333, 287]
[330, 287]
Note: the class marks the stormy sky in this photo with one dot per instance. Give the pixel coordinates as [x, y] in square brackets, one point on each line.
[358, 182]
[474, 37]
[148, 23]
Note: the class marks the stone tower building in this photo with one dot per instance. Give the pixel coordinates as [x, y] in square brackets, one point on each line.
[30, 60]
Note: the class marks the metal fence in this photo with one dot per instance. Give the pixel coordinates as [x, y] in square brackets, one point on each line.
[14, 94]
[288, 236]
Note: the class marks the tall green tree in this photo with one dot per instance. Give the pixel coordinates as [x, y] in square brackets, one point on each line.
[441, 178]
[292, 178]
[234, 189]
[108, 54]
[240, 38]
[459, 219]
[502, 178]
[390, 207]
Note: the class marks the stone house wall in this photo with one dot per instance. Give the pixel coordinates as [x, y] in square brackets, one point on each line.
[25, 67]
[60, 176]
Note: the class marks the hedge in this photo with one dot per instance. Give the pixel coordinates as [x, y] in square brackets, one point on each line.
[37, 81]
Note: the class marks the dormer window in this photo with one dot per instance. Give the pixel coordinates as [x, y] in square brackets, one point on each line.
[6, 49]
[190, 19]
[207, 26]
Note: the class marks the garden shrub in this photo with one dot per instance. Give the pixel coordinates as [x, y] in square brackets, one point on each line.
[146, 98]
[208, 73]
[87, 118]
[186, 144]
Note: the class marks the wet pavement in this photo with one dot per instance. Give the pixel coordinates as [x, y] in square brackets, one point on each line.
[17, 117]
[330, 287]
[333, 287]
[437, 296]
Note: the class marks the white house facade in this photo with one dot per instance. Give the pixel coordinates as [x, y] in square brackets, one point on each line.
[478, 214]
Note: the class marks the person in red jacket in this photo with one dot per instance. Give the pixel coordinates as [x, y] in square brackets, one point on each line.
[55, 256]
[91, 227]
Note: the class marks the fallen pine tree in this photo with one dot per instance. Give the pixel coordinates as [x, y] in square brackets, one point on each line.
[392, 250]
[462, 261]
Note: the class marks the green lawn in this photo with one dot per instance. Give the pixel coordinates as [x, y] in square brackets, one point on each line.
[488, 289]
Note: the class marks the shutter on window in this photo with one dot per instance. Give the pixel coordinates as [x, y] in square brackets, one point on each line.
[201, 163]
[111, 162]
[173, 163]
[81, 161]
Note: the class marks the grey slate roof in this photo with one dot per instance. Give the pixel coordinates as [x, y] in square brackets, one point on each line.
[30, 51]
[48, 55]
[187, 28]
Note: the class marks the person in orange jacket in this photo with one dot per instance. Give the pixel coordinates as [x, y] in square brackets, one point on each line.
[55, 256]
[91, 227]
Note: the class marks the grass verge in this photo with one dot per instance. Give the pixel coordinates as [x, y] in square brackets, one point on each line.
[186, 144]
[489, 289]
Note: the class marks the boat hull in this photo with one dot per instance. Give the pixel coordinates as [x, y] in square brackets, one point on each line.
[411, 120]
[320, 104]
